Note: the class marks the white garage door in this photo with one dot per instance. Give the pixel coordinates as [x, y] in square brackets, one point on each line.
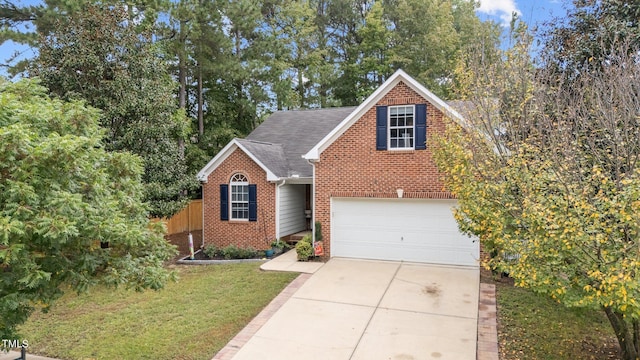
[399, 229]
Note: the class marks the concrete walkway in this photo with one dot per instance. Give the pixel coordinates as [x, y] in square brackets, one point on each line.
[289, 262]
[358, 309]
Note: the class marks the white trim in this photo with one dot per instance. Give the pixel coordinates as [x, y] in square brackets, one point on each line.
[278, 207]
[203, 223]
[230, 197]
[298, 180]
[203, 174]
[313, 203]
[413, 137]
[313, 206]
[395, 79]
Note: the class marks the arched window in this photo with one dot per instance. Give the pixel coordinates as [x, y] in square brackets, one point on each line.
[238, 199]
[239, 194]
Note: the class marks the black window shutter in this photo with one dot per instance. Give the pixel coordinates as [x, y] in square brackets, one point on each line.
[421, 126]
[381, 128]
[224, 202]
[253, 203]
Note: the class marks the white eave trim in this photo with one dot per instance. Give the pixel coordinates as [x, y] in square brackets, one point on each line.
[234, 144]
[296, 180]
[399, 75]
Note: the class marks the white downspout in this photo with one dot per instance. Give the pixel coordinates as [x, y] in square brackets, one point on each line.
[313, 204]
[202, 211]
[278, 207]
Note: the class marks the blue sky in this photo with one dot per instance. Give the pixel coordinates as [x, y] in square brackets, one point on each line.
[531, 11]
[536, 13]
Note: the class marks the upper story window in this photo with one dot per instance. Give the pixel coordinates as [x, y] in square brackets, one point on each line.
[401, 127]
[239, 194]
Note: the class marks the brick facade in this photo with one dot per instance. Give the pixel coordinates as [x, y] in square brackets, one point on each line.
[257, 234]
[352, 167]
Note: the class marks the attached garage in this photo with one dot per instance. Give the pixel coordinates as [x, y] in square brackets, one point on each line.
[416, 230]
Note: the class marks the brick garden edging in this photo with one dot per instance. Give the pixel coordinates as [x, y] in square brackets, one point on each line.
[487, 324]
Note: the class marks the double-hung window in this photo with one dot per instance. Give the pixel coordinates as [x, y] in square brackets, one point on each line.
[401, 127]
[239, 197]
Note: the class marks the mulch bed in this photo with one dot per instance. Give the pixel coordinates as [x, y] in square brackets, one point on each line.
[181, 240]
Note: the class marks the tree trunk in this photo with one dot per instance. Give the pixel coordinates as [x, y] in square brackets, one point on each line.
[182, 78]
[200, 103]
[625, 335]
[182, 69]
[636, 335]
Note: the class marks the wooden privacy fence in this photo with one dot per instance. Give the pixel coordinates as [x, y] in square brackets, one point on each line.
[189, 219]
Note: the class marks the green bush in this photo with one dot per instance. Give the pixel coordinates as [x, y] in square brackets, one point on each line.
[233, 252]
[230, 252]
[304, 250]
[281, 244]
[318, 231]
[212, 251]
[248, 253]
[306, 238]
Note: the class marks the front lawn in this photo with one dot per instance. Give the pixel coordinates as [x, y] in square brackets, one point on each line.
[190, 319]
[535, 327]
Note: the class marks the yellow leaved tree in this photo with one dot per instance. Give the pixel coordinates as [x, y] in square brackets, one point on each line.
[547, 176]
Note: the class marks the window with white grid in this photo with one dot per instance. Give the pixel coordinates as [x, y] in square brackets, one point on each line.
[239, 191]
[401, 125]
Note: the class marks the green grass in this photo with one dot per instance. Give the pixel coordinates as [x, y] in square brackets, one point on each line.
[532, 326]
[190, 319]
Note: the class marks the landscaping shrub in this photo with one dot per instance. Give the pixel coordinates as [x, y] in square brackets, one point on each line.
[304, 250]
[318, 231]
[248, 253]
[233, 252]
[212, 251]
[306, 238]
[280, 244]
[230, 252]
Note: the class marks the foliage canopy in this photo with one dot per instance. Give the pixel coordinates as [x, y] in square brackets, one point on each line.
[98, 55]
[233, 62]
[62, 198]
[547, 176]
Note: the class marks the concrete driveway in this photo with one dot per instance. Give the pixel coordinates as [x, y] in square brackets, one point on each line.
[360, 309]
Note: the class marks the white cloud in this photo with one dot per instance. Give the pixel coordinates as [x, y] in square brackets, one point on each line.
[499, 8]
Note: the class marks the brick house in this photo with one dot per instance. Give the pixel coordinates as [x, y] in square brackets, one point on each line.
[365, 173]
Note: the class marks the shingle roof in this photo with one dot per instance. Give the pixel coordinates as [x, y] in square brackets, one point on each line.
[270, 155]
[281, 140]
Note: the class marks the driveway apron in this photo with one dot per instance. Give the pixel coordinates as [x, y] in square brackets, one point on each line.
[361, 309]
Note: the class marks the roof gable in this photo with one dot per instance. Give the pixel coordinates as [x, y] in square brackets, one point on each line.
[297, 132]
[277, 145]
[395, 79]
[232, 146]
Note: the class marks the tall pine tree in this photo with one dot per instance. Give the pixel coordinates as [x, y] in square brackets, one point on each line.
[98, 56]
